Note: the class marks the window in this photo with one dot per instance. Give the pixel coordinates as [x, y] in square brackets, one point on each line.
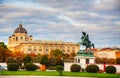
[21, 38]
[78, 60]
[16, 38]
[87, 61]
[73, 47]
[40, 49]
[68, 50]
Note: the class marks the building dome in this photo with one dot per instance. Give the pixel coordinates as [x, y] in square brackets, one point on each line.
[20, 29]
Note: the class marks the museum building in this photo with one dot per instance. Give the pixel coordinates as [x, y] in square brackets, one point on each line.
[20, 41]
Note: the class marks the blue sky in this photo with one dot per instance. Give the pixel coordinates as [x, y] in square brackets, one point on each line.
[63, 20]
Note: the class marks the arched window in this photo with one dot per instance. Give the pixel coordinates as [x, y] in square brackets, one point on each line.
[16, 38]
[21, 38]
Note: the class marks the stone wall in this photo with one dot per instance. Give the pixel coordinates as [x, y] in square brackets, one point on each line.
[101, 66]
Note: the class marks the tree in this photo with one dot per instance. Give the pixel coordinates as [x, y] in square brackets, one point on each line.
[44, 60]
[52, 61]
[72, 55]
[3, 45]
[27, 59]
[14, 60]
[56, 53]
[118, 60]
[18, 54]
[4, 54]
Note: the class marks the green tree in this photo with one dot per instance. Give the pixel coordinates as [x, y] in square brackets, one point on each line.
[44, 60]
[27, 59]
[3, 45]
[52, 61]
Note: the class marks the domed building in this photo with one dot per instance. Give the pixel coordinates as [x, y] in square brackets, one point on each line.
[20, 41]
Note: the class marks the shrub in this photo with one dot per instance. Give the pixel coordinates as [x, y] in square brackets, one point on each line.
[75, 68]
[30, 67]
[60, 69]
[110, 69]
[92, 68]
[27, 59]
[52, 68]
[12, 66]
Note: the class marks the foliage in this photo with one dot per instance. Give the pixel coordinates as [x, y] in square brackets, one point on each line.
[4, 54]
[18, 54]
[110, 69]
[52, 61]
[72, 55]
[27, 59]
[44, 60]
[52, 68]
[105, 60]
[30, 67]
[15, 60]
[75, 68]
[60, 69]
[59, 61]
[92, 68]
[118, 60]
[3, 45]
[56, 53]
[36, 58]
[12, 66]
[10, 60]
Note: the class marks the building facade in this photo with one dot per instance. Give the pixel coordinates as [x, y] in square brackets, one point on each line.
[20, 41]
[108, 53]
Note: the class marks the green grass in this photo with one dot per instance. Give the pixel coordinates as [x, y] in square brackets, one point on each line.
[54, 73]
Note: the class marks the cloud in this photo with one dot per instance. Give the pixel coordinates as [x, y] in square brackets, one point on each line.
[63, 20]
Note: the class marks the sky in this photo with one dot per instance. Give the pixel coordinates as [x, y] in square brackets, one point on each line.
[63, 20]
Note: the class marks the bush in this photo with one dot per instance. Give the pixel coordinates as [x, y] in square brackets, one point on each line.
[52, 68]
[30, 67]
[92, 68]
[75, 68]
[12, 66]
[60, 69]
[110, 69]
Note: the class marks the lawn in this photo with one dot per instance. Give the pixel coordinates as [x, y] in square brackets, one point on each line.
[54, 73]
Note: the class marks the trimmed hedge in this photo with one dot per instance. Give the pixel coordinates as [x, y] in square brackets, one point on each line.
[75, 68]
[110, 69]
[59, 68]
[12, 66]
[30, 67]
[92, 68]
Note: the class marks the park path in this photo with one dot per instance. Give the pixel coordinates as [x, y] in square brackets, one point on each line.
[42, 77]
